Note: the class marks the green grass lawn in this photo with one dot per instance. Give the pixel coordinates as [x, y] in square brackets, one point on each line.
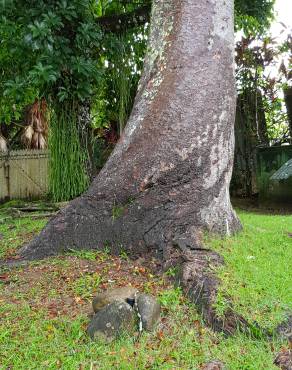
[258, 271]
[44, 307]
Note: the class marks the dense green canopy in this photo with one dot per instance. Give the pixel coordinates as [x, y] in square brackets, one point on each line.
[253, 15]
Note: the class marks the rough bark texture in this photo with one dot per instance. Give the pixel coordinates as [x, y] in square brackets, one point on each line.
[168, 177]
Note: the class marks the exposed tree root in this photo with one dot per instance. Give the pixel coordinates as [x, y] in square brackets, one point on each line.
[198, 279]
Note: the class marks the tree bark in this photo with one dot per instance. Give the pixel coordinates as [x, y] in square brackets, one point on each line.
[288, 102]
[168, 176]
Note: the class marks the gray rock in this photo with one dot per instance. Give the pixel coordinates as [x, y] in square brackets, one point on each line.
[149, 309]
[115, 318]
[109, 296]
[214, 365]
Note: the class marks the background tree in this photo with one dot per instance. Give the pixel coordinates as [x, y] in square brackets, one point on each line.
[260, 119]
[286, 70]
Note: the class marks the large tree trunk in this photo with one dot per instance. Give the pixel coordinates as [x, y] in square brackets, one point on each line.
[168, 177]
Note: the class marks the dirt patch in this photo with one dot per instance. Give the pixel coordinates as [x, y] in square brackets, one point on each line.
[67, 284]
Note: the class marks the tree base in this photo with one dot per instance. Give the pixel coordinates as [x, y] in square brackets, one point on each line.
[196, 275]
[167, 180]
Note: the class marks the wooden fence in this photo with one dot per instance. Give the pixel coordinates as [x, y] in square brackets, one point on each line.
[23, 174]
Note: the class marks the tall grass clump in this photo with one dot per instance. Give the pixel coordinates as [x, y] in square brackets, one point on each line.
[68, 176]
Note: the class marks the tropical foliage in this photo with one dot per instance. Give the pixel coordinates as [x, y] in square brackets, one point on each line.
[76, 53]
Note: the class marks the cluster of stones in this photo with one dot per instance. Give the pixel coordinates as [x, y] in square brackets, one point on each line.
[122, 310]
